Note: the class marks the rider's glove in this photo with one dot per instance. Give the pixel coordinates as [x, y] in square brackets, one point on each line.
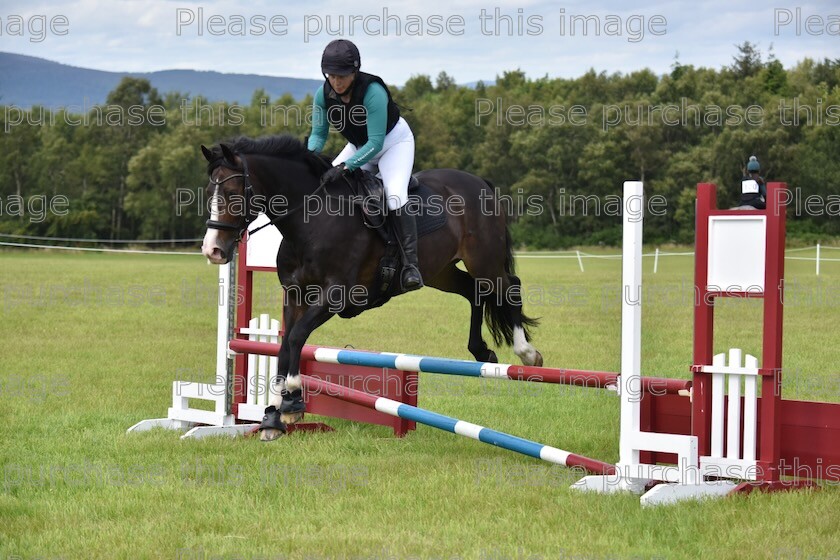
[334, 173]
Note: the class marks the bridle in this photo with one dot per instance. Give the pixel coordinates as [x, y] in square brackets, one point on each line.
[242, 226]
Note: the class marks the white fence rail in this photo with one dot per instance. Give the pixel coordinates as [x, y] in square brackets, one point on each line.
[580, 256]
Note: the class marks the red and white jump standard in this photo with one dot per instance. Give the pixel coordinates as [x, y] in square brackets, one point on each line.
[737, 442]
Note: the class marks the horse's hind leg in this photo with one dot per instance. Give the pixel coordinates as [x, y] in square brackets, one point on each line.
[502, 296]
[455, 281]
[522, 347]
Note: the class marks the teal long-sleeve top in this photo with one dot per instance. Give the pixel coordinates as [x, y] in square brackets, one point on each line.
[376, 105]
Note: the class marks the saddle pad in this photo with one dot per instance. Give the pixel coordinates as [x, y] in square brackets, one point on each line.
[432, 214]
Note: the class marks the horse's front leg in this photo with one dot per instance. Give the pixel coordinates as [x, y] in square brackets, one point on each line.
[272, 425]
[292, 406]
[292, 311]
[287, 406]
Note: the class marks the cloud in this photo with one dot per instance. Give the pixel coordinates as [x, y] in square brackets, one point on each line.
[143, 35]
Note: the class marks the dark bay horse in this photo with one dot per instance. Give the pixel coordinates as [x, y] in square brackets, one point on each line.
[324, 253]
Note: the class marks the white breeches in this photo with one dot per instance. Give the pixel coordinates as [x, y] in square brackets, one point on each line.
[395, 162]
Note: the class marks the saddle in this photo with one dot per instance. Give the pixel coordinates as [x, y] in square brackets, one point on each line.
[370, 198]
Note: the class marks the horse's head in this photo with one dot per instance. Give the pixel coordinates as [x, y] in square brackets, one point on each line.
[282, 173]
[228, 192]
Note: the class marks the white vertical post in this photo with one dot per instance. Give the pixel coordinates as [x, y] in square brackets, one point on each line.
[632, 474]
[223, 328]
[656, 260]
[818, 259]
[750, 410]
[718, 393]
[262, 361]
[253, 393]
[222, 316]
[631, 320]
[733, 426]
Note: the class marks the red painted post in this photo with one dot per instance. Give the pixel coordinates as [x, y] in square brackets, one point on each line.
[704, 314]
[771, 363]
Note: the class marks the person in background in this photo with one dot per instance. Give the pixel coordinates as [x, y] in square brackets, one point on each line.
[753, 187]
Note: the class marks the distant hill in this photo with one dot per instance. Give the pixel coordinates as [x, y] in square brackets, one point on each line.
[27, 81]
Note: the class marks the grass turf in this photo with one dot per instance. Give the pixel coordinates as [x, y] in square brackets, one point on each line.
[91, 344]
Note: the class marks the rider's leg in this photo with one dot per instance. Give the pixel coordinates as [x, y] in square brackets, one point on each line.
[395, 164]
[407, 230]
[348, 152]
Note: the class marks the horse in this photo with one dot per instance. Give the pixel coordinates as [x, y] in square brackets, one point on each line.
[326, 253]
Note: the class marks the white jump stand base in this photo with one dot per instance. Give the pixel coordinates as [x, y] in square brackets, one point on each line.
[154, 423]
[235, 430]
[193, 431]
[661, 494]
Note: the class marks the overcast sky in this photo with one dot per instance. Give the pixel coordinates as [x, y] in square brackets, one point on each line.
[469, 39]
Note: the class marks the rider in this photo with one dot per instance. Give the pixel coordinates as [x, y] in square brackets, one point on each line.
[360, 107]
[753, 187]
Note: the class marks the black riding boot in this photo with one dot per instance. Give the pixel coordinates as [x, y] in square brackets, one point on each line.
[407, 230]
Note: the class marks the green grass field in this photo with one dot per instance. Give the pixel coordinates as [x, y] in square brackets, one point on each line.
[91, 344]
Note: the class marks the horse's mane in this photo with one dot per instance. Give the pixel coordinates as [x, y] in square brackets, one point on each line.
[282, 146]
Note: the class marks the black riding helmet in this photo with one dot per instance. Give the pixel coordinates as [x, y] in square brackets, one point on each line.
[341, 57]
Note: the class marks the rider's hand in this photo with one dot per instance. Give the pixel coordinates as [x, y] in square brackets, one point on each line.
[334, 173]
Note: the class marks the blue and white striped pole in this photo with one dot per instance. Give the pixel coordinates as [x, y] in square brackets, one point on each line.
[448, 366]
[466, 429]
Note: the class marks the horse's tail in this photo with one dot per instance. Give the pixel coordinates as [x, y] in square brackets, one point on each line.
[503, 312]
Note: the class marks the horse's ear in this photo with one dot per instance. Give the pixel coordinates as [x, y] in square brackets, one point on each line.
[208, 155]
[228, 154]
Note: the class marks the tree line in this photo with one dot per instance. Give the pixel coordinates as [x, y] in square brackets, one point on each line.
[556, 149]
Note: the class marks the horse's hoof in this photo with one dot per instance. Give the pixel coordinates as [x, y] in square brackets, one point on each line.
[270, 434]
[291, 417]
[491, 357]
[538, 360]
[272, 425]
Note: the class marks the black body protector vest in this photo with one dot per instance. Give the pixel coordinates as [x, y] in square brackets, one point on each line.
[350, 119]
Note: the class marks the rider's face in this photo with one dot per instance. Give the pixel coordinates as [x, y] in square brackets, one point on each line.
[341, 84]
